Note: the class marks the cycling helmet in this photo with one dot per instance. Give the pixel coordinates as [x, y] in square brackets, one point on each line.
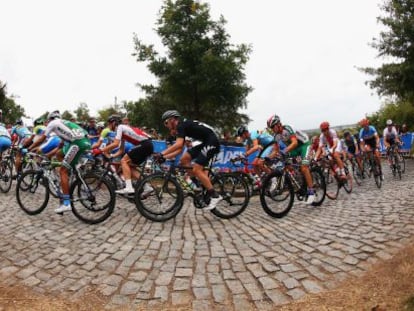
[389, 122]
[364, 122]
[38, 122]
[115, 118]
[54, 115]
[19, 122]
[241, 130]
[272, 121]
[100, 124]
[347, 133]
[170, 114]
[324, 125]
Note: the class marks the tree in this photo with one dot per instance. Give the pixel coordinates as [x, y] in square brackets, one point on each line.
[10, 111]
[82, 112]
[202, 73]
[395, 78]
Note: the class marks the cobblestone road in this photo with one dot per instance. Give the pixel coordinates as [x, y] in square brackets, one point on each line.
[250, 262]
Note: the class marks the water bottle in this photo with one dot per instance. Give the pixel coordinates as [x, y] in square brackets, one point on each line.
[190, 183]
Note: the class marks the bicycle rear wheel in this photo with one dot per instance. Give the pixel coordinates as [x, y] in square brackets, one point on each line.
[159, 197]
[377, 175]
[278, 201]
[96, 197]
[356, 173]
[235, 192]
[32, 192]
[5, 176]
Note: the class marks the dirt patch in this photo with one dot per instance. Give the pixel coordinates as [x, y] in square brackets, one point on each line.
[389, 285]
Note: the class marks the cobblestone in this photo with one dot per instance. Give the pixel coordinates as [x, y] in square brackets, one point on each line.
[201, 261]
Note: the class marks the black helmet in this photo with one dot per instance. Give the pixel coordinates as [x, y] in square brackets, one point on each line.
[241, 130]
[115, 118]
[54, 115]
[170, 114]
[19, 122]
[38, 122]
[347, 133]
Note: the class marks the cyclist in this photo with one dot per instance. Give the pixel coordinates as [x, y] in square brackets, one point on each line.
[255, 141]
[329, 138]
[297, 144]
[76, 143]
[200, 155]
[22, 137]
[138, 154]
[5, 140]
[370, 141]
[352, 149]
[391, 138]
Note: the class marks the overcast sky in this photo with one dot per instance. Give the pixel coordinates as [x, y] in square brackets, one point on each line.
[57, 54]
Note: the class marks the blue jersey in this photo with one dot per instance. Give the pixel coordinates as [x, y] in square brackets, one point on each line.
[367, 134]
[262, 138]
[21, 131]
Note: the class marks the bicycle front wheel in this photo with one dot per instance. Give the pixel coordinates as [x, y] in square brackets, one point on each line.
[96, 197]
[277, 194]
[332, 187]
[32, 192]
[319, 186]
[5, 176]
[348, 183]
[235, 192]
[159, 197]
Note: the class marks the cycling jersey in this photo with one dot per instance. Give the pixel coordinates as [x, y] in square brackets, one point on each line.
[66, 130]
[368, 136]
[329, 139]
[390, 135]
[288, 133]
[350, 144]
[263, 139]
[22, 132]
[39, 129]
[4, 132]
[5, 140]
[130, 134]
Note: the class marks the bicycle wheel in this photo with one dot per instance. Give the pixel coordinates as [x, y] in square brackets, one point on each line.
[278, 202]
[34, 195]
[348, 183]
[319, 186]
[96, 196]
[356, 173]
[377, 175]
[401, 161]
[235, 192]
[159, 197]
[5, 176]
[332, 187]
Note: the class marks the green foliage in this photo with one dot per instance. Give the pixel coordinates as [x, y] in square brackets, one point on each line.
[399, 112]
[202, 73]
[67, 115]
[10, 111]
[395, 78]
[82, 112]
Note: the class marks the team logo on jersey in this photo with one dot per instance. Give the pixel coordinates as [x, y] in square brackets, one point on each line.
[206, 149]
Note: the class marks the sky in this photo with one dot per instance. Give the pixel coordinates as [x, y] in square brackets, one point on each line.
[303, 65]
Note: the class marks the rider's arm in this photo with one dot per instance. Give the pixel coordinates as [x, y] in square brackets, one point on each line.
[255, 147]
[171, 151]
[111, 146]
[292, 145]
[38, 142]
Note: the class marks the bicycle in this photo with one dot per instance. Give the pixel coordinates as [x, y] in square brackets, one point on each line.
[286, 181]
[332, 178]
[253, 181]
[397, 161]
[95, 193]
[169, 189]
[356, 171]
[371, 167]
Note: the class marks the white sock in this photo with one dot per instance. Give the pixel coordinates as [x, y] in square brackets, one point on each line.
[128, 183]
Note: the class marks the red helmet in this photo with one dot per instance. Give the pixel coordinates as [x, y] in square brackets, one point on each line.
[364, 122]
[324, 125]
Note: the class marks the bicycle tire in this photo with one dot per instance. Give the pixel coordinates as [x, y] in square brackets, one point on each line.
[319, 185]
[377, 175]
[356, 173]
[5, 176]
[284, 192]
[164, 202]
[332, 186]
[97, 202]
[348, 183]
[36, 188]
[402, 163]
[235, 192]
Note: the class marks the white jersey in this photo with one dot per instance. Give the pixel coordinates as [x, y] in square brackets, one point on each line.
[4, 132]
[390, 134]
[329, 140]
[130, 134]
[67, 131]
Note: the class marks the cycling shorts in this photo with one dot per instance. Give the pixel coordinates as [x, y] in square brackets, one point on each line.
[5, 143]
[52, 143]
[74, 150]
[303, 152]
[141, 152]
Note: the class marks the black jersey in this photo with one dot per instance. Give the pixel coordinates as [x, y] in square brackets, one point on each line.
[196, 130]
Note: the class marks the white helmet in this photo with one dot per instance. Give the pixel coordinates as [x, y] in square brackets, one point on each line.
[389, 122]
[54, 115]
